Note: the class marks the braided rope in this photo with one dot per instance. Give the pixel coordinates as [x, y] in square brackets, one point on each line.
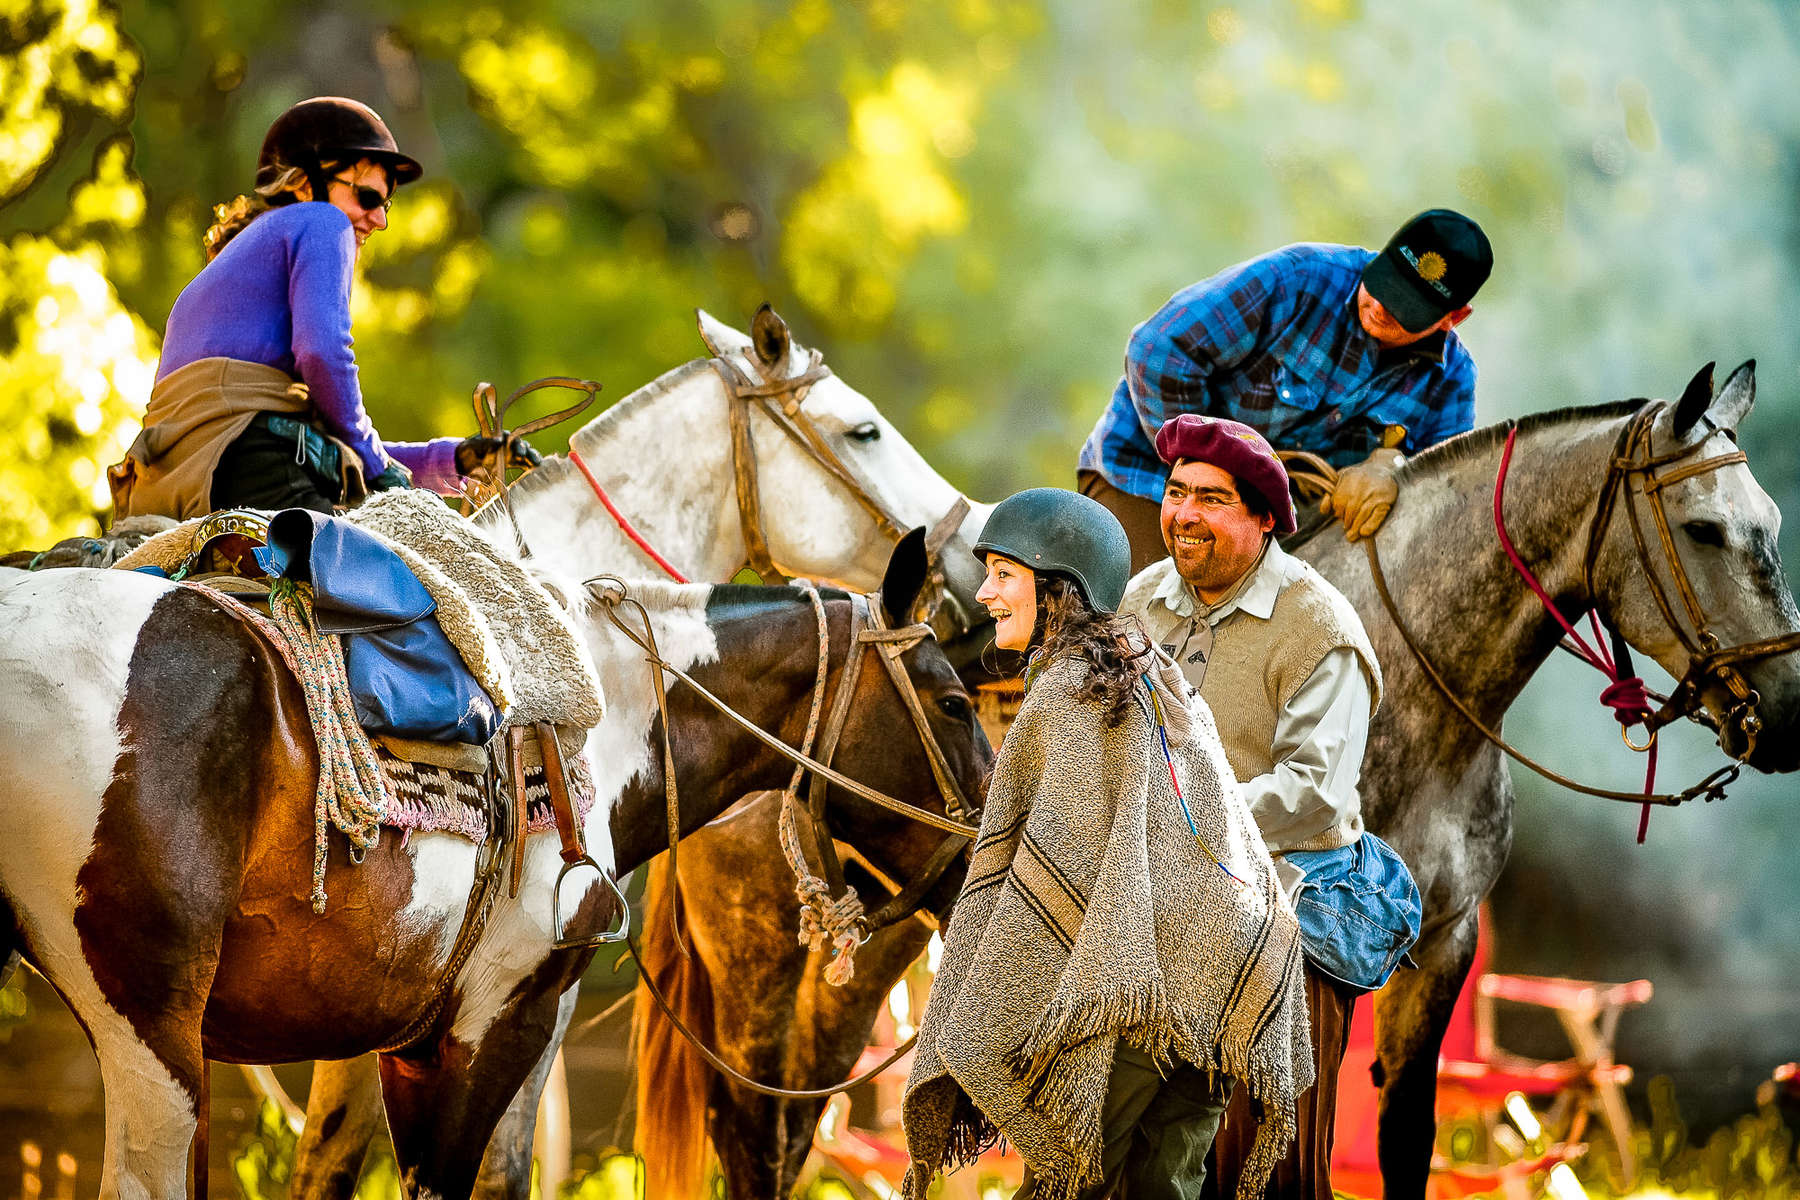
[349, 796]
[822, 917]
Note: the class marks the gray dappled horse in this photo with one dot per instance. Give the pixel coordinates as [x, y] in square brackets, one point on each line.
[1432, 785]
[157, 778]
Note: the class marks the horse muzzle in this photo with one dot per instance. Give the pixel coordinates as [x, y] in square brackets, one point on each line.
[1754, 730]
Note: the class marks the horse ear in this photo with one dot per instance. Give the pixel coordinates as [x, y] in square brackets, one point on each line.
[906, 571]
[1694, 400]
[719, 337]
[769, 334]
[1735, 399]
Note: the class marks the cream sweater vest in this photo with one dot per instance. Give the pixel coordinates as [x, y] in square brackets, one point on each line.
[1257, 666]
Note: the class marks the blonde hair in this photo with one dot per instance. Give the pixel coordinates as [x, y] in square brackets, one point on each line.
[277, 184]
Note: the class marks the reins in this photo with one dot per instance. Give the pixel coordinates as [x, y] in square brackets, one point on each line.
[836, 910]
[738, 1077]
[783, 400]
[1625, 693]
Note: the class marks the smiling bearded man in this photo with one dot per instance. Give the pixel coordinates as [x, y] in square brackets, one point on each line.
[1283, 660]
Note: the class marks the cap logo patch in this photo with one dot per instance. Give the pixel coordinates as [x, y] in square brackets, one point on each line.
[1430, 267]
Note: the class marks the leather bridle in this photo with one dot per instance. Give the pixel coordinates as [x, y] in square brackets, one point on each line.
[869, 634]
[1708, 660]
[783, 402]
[870, 637]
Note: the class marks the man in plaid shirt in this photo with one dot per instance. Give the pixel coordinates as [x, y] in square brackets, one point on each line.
[1333, 349]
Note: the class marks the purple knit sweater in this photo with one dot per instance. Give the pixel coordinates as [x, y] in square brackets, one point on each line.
[279, 294]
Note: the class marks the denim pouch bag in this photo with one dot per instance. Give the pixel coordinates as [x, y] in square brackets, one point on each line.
[1359, 911]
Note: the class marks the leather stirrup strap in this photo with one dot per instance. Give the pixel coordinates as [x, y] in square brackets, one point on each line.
[574, 845]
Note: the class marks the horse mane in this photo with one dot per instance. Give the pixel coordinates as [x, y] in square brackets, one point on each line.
[673, 1081]
[556, 467]
[1483, 442]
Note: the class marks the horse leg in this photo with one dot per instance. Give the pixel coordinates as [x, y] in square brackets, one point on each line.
[343, 1116]
[1411, 1014]
[443, 1106]
[506, 1168]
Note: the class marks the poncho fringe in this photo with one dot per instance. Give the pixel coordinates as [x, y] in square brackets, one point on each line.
[1066, 941]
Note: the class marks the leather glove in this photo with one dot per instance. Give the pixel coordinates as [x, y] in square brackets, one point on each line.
[1364, 494]
[394, 476]
[477, 451]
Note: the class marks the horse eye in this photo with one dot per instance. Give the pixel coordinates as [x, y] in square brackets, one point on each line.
[868, 431]
[954, 707]
[1706, 533]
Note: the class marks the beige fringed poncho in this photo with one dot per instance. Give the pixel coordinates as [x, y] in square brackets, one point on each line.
[1092, 913]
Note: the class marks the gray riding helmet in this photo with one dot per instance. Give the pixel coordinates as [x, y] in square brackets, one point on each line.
[1063, 532]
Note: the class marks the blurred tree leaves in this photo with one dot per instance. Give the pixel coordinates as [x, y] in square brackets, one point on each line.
[965, 203]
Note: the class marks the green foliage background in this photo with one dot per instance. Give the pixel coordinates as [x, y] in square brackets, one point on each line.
[967, 204]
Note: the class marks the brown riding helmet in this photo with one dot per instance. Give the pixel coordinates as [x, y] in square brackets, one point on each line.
[334, 127]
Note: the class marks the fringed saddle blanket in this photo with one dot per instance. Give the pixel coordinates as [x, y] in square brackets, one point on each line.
[426, 798]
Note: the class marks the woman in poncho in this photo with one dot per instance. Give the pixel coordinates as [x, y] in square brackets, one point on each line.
[1121, 955]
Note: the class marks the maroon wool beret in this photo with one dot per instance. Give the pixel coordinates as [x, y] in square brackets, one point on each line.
[1234, 447]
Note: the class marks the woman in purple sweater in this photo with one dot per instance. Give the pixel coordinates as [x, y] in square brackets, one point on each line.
[257, 402]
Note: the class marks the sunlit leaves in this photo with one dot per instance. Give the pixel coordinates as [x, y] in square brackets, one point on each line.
[64, 56]
[578, 124]
[112, 198]
[77, 368]
[848, 236]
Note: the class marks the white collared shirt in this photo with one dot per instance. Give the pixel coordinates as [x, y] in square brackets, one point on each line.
[1320, 733]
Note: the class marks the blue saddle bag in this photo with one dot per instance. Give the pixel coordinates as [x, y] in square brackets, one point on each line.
[1359, 910]
[405, 676]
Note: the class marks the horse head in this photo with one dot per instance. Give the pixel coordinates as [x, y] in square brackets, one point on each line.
[1687, 570]
[757, 650]
[816, 525]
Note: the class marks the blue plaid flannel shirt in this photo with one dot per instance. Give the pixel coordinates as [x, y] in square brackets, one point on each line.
[1275, 343]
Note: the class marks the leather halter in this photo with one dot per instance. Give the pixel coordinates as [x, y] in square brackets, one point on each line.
[783, 402]
[1708, 660]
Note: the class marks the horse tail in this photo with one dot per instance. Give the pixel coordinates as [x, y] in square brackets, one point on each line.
[672, 1079]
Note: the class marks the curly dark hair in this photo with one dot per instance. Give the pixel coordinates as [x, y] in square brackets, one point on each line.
[1115, 649]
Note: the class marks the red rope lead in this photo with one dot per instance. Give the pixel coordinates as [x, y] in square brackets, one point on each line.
[624, 525]
[1626, 696]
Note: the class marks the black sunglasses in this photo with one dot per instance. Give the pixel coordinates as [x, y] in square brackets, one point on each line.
[367, 198]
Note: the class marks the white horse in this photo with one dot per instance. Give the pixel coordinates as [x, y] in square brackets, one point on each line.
[685, 509]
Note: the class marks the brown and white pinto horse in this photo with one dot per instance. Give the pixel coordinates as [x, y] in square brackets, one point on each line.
[689, 515]
[157, 775]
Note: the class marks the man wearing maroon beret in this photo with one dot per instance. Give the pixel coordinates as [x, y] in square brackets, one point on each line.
[1283, 660]
[1336, 350]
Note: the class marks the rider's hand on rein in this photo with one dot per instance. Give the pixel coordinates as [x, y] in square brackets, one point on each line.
[1364, 494]
[473, 453]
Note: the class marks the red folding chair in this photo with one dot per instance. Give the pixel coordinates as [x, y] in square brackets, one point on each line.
[1503, 1118]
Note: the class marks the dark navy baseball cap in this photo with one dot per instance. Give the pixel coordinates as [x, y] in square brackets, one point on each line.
[1434, 265]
